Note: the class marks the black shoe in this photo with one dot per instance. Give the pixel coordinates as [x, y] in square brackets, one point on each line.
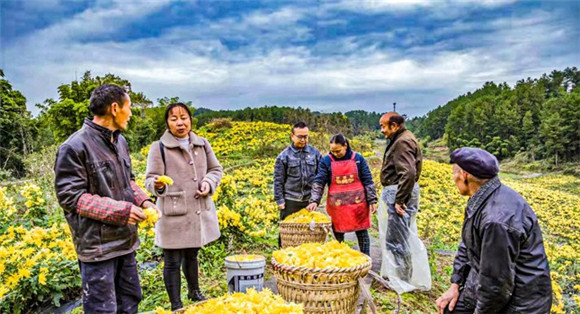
[196, 295]
[176, 306]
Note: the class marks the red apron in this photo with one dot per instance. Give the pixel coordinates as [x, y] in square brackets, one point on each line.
[346, 202]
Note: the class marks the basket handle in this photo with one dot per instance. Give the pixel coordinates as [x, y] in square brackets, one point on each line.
[365, 289]
[382, 281]
[327, 230]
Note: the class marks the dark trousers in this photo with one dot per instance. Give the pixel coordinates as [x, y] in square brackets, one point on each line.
[174, 260]
[363, 240]
[291, 208]
[460, 306]
[111, 286]
[398, 230]
[397, 242]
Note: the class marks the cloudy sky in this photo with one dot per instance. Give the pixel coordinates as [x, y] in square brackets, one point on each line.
[323, 55]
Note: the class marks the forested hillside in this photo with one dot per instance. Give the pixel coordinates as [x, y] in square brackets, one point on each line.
[540, 117]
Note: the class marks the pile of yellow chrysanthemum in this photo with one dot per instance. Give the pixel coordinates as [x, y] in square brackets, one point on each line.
[245, 258]
[306, 216]
[251, 302]
[332, 254]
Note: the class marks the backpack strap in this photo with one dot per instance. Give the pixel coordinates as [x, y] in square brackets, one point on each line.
[162, 150]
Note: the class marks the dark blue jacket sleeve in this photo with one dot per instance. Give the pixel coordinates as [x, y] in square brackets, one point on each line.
[324, 173]
[322, 178]
[364, 172]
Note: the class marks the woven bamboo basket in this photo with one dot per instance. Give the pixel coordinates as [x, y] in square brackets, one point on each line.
[321, 290]
[295, 234]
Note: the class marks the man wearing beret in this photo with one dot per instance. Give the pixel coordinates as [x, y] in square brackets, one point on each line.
[400, 172]
[501, 265]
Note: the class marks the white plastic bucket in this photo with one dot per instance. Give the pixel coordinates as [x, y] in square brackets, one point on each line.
[245, 274]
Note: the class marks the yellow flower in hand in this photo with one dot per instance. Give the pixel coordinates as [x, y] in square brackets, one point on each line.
[152, 216]
[165, 179]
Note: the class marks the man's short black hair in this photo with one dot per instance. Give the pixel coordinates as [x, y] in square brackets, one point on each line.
[299, 125]
[105, 95]
[396, 119]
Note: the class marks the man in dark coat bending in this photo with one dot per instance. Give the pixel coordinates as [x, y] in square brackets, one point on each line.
[501, 265]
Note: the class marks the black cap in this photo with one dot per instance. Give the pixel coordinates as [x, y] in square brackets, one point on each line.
[476, 161]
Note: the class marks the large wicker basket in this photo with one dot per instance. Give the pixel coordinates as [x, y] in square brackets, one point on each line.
[321, 290]
[295, 234]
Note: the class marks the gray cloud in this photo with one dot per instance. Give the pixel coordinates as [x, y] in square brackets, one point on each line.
[193, 62]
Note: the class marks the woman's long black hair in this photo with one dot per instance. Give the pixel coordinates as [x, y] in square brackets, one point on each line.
[340, 139]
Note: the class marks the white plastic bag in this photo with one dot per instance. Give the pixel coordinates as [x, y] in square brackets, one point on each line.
[404, 257]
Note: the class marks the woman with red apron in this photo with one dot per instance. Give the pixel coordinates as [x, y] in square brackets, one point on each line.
[351, 195]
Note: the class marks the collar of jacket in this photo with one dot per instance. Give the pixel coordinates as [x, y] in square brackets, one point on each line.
[481, 195]
[294, 149]
[170, 141]
[103, 131]
[391, 139]
[394, 136]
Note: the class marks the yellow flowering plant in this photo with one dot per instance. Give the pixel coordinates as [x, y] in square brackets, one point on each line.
[34, 202]
[7, 208]
[245, 201]
[36, 264]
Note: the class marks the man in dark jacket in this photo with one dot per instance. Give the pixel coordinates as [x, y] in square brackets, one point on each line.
[501, 265]
[96, 188]
[294, 172]
[400, 172]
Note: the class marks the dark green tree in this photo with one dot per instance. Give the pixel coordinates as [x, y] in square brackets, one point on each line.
[17, 129]
[67, 115]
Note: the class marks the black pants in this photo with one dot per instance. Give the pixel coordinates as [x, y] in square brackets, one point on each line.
[398, 244]
[398, 230]
[460, 306]
[111, 286]
[174, 260]
[291, 208]
[363, 240]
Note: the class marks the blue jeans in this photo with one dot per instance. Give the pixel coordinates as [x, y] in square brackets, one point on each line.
[111, 286]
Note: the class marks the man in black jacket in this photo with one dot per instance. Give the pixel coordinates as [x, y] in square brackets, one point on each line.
[96, 188]
[501, 265]
[294, 173]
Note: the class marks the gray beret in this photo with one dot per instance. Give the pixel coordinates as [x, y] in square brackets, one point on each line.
[476, 161]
